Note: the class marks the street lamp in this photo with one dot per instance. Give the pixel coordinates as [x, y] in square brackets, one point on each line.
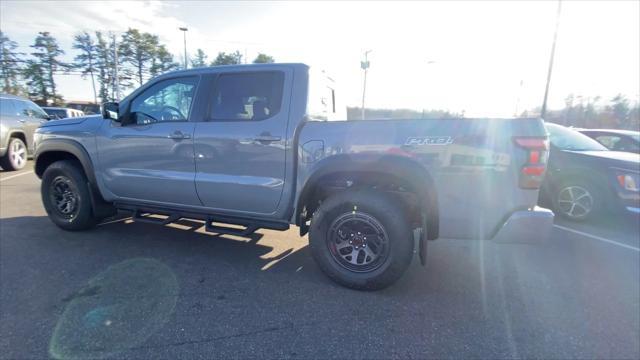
[184, 32]
[365, 66]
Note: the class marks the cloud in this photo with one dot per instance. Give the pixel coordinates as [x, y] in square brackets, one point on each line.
[22, 20]
[483, 49]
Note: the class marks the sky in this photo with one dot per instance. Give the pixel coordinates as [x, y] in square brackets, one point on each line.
[486, 58]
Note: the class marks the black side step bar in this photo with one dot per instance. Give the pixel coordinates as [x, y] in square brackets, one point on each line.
[248, 230]
[145, 218]
[143, 214]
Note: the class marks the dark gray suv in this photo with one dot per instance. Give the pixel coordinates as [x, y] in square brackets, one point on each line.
[19, 118]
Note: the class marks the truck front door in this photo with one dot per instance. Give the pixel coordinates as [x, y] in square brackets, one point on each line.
[150, 158]
[240, 148]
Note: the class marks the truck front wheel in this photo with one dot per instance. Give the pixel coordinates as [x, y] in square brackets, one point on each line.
[362, 239]
[66, 196]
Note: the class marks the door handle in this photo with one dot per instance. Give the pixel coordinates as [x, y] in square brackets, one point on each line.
[267, 138]
[179, 135]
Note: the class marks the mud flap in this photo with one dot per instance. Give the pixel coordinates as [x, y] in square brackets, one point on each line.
[422, 248]
[422, 242]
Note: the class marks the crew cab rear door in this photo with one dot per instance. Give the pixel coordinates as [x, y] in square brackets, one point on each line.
[240, 148]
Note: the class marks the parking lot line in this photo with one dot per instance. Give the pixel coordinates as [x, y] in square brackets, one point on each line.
[16, 175]
[597, 238]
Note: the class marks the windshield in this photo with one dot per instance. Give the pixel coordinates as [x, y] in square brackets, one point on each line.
[568, 139]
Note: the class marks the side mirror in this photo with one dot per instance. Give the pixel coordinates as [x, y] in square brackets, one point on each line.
[110, 110]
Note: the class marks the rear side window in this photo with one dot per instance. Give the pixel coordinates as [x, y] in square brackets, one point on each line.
[247, 96]
[6, 107]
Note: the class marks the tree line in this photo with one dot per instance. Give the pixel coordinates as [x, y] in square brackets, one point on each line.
[594, 112]
[355, 113]
[112, 63]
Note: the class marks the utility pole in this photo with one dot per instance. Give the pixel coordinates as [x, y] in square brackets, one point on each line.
[184, 33]
[93, 83]
[429, 62]
[116, 77]
[543, 111]
[365, 66]
[515, 113]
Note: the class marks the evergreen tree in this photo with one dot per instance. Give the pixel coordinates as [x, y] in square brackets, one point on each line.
[46, 63]
[37, 82]
[263, 59]
[86, 60]
[200, 59]
[162, 61]
[104, 66]
[10, 66]
[227, 59]
[138, 50]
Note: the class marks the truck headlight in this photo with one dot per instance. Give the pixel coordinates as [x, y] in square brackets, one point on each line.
[629, 181]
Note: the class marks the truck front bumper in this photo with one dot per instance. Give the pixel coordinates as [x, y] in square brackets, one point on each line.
[526, 226]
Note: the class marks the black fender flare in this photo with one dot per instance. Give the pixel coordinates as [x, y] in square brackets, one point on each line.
[69, 146]
[101, 208]
[407, 169]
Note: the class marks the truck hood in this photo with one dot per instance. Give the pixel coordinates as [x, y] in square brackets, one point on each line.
[69, 121]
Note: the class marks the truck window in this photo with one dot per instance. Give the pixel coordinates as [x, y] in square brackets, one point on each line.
[247, 96]
[32, 110]
[321, 99]
[167, 100]
[6, 107]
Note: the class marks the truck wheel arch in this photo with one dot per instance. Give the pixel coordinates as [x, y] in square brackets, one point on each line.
[50, 151]
[388, 168]
[17, 134]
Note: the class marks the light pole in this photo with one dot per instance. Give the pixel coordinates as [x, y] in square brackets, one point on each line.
[543, 111]
[184, 33]
[365, 66]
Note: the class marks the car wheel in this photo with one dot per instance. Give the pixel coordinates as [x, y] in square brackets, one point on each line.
[577, 200]
[361, 239]
[66, 196]
[16, 156]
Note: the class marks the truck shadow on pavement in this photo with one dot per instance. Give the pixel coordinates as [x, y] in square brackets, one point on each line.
[267, 288]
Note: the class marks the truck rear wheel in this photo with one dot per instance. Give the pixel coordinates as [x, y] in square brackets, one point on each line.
[66, 196]
[361, 239]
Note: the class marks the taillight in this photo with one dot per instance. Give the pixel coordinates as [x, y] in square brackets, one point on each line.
[533, 171]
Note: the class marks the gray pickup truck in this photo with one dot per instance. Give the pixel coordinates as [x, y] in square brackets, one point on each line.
[267, 146]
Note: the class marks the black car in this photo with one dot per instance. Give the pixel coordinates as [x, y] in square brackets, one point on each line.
[618, 140]
[585, 179]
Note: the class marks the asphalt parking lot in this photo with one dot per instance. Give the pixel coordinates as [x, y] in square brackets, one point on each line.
[133, 290]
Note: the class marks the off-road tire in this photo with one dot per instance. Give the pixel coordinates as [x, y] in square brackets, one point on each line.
[67, 173]
[378, 207]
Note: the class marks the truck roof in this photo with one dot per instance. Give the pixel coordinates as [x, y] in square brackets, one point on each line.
[15, 97]
[209, 69]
